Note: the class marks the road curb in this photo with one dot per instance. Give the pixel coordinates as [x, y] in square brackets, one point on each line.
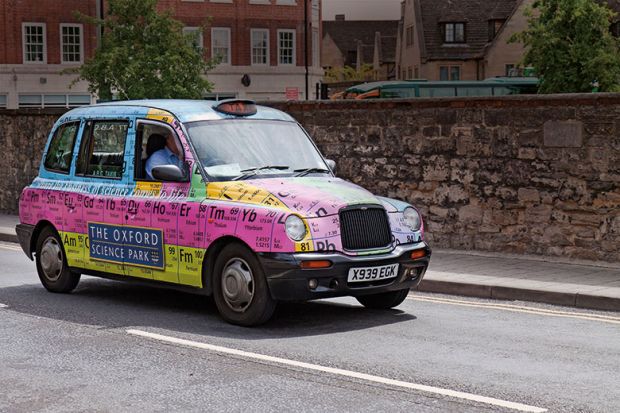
[593, 302]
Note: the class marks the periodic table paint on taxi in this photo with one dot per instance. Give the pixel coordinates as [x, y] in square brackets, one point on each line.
[192, 216]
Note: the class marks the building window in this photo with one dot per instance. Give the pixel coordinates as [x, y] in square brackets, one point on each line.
[511, 70]
[220, 96]
[2, 101]
[416, 73]
[260, 46]
[51, 101]
[286, 47]
[409, 35]
[71, 44]
[449, 73]
[454, 33]
[195, 35]
[34, 43]
[220, 44]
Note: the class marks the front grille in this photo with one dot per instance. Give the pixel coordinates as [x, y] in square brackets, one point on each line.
[364, 228]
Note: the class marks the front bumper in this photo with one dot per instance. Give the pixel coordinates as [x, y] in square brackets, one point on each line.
[289, 282]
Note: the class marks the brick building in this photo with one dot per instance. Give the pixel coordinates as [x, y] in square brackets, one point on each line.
[263, 39]
[32, 34]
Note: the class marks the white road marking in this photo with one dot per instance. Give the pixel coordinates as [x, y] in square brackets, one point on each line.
[10, 246]
[340, 372]
[520, 309]
[3, 305]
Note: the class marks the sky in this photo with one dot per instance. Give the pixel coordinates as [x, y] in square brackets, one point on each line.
[362, 9]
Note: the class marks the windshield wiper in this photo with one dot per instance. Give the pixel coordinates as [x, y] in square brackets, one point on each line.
[247, 173]
[306, 171]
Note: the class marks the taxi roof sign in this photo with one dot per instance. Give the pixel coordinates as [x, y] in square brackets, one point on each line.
[237, 107]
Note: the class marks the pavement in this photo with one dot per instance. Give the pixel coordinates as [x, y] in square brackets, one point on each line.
[574, 283]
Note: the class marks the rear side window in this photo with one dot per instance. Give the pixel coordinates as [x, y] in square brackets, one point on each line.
[60, 152]
[102, 152]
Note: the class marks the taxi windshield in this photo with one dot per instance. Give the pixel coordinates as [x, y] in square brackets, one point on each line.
[244, 149]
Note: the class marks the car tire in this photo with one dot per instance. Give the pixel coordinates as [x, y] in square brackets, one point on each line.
[383, 301]
[240, 288]
[51, 261]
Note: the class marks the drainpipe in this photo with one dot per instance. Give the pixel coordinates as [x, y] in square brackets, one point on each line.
[99, 6]
[306, 49]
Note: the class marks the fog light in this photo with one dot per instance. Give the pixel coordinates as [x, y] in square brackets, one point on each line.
[313, 283]
[417, 254]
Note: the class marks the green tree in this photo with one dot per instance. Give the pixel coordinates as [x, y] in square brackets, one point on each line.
[144, 54]
[571, 47]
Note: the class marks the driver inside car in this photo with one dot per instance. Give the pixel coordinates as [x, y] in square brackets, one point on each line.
[162, 151]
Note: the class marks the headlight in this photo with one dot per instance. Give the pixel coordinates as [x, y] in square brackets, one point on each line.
[412, 219]
[295, 228]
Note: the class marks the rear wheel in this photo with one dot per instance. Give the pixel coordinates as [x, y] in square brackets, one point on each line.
[52, 267]
[240, 288]
[383, 301]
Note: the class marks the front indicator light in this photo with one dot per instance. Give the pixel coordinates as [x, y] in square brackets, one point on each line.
[417, 254]
[314, 265]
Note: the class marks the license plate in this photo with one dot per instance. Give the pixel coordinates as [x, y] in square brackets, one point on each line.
[365, 274]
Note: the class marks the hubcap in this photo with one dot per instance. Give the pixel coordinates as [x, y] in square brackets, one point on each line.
[51, 259]
[237, 284]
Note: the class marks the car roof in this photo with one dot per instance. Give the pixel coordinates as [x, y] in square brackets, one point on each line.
[184, 110]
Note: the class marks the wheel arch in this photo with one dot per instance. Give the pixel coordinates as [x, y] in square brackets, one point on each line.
[35, 235]
[208, 265]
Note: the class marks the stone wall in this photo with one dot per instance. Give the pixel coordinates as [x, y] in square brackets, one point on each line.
[535, 174]
[525, 174]
[23, 134]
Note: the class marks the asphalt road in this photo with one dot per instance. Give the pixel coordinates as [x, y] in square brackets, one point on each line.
[112, 346]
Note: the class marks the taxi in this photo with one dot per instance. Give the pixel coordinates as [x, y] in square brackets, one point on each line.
[227, 199]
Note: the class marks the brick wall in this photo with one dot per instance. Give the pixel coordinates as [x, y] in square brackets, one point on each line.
[537, 175]
[13, 13]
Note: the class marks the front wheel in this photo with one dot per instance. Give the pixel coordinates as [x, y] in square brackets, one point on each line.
[383, 301]
[240, 288]
[52, 267]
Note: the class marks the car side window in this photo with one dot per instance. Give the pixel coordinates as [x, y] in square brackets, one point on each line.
[60, 151]
[150, 137]
[102, 152]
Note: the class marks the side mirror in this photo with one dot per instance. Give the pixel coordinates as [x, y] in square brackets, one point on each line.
[169, 173]
[332, 164]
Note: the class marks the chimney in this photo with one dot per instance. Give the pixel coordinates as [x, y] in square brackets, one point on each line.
[340, 18]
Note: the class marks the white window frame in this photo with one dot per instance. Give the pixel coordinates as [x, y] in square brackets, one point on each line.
[44, 26]
[294, 54]
[229, 34]
[62, 58]
[286, 2]
[268, 51]
[193, 29]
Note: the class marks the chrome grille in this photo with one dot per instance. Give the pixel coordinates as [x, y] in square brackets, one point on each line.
[364, 228]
